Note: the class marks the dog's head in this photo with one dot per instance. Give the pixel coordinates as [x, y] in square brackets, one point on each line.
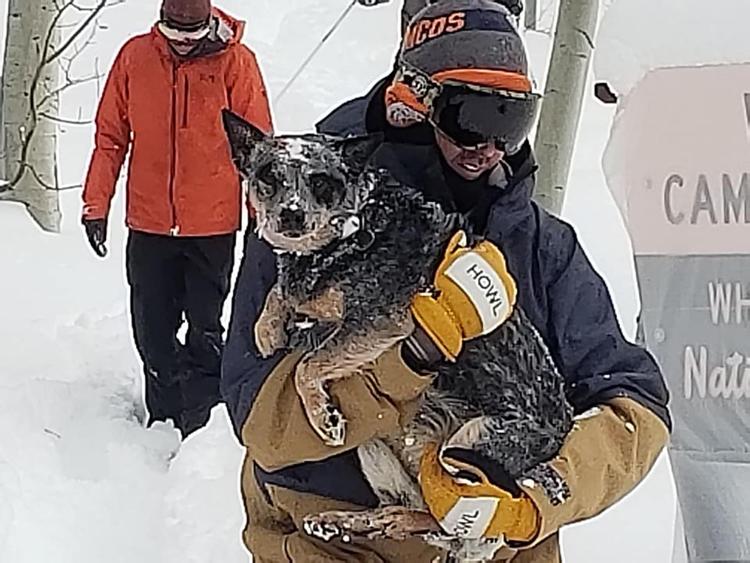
[304, 188]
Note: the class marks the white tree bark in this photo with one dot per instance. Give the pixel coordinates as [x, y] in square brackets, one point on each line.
[29, 88]
[563, 98]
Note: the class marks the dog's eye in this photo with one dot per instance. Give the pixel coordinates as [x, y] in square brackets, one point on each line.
[326, 189]
[265, 181]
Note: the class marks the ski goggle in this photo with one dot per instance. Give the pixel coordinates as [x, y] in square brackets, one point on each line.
[182, 35]
[471, 116]
[468, 113]
[467, 141]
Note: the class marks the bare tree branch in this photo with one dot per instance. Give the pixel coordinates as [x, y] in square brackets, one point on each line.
[48, 56]
[98, 81]
[65, 121]
[79, 48]
[38, 178]
[69, 83]
[67, 188]
[73, 36]
[52, 433]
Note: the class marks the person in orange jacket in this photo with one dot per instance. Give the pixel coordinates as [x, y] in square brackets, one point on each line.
[162, 102]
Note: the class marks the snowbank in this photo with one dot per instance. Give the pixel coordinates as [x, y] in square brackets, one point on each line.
[638, 35]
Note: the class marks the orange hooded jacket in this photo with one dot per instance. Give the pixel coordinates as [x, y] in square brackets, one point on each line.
[167, 110]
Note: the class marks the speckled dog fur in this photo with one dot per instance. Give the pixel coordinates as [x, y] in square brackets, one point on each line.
[353, 248]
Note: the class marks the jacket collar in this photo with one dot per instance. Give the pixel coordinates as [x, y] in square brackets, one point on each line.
[514, 205]
[509, 199]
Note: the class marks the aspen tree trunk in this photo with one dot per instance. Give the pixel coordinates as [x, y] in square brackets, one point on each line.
[29, 162]
[563, 99]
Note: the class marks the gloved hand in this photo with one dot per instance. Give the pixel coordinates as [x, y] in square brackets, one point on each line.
[473, 295]
[96, 232]
[468, 505]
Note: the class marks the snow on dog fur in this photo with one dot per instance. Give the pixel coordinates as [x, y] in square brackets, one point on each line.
[353, 247]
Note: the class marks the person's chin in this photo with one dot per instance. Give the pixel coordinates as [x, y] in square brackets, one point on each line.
[182, 51]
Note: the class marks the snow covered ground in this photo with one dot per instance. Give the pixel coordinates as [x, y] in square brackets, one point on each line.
[80, 480]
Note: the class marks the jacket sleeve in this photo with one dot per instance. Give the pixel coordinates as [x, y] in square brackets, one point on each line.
[263, 403]
[617, 390]
[248, 97]
[608, 452]
[111, 142]
[584, 335]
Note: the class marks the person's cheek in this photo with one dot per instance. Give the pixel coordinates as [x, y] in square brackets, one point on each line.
[452, 153]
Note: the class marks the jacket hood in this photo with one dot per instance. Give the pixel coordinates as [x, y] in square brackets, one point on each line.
[230, 29]
[225, 32]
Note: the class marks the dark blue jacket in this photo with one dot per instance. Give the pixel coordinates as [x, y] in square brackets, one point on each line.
[557, 288]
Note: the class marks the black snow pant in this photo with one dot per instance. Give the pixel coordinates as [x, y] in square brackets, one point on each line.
[174, 279]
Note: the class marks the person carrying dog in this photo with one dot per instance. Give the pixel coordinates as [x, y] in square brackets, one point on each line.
[455, 116]
[162, 103]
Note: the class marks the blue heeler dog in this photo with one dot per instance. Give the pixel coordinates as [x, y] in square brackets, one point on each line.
[353, 247]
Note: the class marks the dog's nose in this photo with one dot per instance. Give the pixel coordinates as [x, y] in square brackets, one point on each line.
[292, 219]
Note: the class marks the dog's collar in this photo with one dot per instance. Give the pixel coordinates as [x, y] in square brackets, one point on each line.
[351, 223]
[351, 226]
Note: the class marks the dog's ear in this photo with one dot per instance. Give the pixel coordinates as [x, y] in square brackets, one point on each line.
[357, 151]
[244, 138]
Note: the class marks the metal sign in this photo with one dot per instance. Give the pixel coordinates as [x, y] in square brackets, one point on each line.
[678, 163]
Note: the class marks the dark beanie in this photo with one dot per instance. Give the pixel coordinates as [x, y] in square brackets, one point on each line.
[410, 9]
[464, 34]
[186, 13]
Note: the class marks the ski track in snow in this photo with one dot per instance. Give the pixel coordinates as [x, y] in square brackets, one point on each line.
[81, 481]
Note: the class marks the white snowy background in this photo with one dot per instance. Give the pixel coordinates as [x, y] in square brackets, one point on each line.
[80, 480]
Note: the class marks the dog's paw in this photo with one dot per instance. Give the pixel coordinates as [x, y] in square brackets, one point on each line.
[324, 416]
[329, 423]
[270, 336]
[333, 426]
[344, 525]
[327, 526]
[390, 522]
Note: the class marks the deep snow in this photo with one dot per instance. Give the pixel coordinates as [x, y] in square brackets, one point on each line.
[80, 480]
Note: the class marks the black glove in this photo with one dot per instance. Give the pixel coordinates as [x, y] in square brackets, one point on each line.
[96, 231]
